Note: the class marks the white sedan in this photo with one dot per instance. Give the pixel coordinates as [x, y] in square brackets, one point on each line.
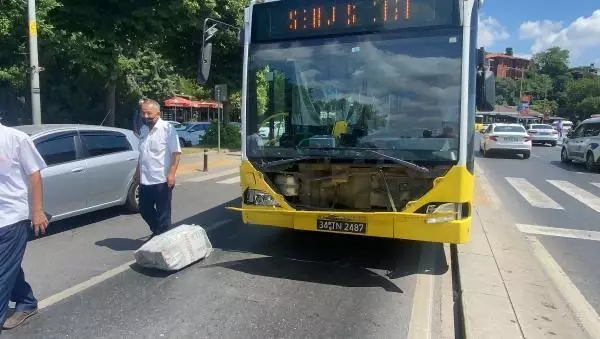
[506, 138]
[542, 134]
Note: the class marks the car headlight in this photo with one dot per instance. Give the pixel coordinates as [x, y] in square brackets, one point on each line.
[444, 213]
[259, 198]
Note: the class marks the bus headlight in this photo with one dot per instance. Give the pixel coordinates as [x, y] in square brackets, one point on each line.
[444, 213]
[259, 198]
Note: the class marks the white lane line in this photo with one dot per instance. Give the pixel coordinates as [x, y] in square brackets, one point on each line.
[559, 232]
[597, 184]
[213, 175]
[217, 224]
[230, 180]
[584, 197]
[533, 195]
[420, 318]
[69, 292]
[585, 313]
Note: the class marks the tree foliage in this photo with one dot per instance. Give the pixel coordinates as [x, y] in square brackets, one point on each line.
[101, 56]
[555, 91]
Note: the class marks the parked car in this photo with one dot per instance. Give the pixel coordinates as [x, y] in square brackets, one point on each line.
[542, 134]
[581, 144]
[193, 133]
[506, 138]
[177, 125]
[89, 167]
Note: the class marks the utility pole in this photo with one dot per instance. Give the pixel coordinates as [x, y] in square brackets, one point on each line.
[36, 105]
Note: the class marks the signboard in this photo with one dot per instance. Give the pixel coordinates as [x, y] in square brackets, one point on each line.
[221, 93]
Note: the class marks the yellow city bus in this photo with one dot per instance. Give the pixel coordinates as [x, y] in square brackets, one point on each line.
[358, 117]
[479, 123]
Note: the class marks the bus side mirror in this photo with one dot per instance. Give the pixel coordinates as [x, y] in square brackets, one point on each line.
[485, 90]
[204, 64]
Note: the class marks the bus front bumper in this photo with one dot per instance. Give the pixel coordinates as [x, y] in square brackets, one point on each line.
[411, 226]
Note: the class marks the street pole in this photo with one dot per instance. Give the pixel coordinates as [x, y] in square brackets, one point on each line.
[36, 105]
[219, 129]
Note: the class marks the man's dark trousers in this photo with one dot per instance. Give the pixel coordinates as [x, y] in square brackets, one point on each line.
[13, 287]
[155, 206]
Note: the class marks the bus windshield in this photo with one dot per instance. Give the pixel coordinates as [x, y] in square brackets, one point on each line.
[397, 94]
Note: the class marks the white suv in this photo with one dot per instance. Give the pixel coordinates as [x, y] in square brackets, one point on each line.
[582, 144]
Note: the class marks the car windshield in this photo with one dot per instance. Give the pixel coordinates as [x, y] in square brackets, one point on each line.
[396, 94]
[541, 127]
[509, 129]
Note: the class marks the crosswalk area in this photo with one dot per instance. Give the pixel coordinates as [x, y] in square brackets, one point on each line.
[537, 198]
[580, 197]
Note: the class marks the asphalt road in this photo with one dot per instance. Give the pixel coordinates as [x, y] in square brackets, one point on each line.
[557, 203]
[260, 282]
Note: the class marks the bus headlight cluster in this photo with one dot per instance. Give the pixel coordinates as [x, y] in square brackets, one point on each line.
[259, 198]
[444, 213]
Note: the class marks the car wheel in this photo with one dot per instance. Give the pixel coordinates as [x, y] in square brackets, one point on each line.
[553, 144]
[590, 164]
[526, 155]
[133, 198]
[564, 158]
[182, 142]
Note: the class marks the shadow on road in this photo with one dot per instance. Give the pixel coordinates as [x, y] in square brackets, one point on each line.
[56, 227]
[121, 244]
[315, 272]
[317, 257]
[571, 167]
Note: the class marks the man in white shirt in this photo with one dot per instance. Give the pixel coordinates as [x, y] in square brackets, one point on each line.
[157, 166]
[20, 166]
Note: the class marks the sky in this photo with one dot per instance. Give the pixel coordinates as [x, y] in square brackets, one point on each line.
[531, 26]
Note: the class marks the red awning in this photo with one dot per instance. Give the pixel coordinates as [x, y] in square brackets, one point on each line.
[206, 104]
[177, 102]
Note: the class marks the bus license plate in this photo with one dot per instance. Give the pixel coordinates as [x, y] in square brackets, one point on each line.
[342, 226]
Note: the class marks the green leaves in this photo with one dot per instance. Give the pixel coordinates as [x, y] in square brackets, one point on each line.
[553, 88]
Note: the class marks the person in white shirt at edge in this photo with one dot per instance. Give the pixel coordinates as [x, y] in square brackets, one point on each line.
[20, 179]
[157, 165]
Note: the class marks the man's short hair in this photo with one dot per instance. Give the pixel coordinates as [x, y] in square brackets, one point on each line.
[150, 102]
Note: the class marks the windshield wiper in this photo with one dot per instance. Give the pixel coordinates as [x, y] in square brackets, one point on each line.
[285, 161]
[405, 163]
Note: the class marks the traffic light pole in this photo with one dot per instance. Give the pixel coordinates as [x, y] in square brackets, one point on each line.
[36, 105]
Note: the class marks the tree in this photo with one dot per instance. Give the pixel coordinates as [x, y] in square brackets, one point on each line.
[553, 62]
[588, 106]
[125, 28]
[507, 91]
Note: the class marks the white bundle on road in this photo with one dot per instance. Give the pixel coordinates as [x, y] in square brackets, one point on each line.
[175, 249]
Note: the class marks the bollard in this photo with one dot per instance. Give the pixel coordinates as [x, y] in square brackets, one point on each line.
[205, 169]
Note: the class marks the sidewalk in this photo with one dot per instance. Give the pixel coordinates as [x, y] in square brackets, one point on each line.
[505, 292]
[193, 163]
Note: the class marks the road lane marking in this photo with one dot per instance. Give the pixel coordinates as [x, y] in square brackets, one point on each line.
[584, 197]
[559, 232]
[597, 184]
[213, 175]
[71, 291]
[230, 180]
[533, 195]
[584, 312]
[420, 318]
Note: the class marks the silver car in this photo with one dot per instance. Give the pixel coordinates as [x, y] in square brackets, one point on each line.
[89, 167]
